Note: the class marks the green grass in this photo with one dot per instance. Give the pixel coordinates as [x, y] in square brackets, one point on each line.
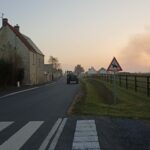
[97, 99]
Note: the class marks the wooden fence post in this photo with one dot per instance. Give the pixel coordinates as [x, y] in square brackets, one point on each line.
[135, 83]
[111, 78]
[120, 80]
[148, 86]
[126, 82]
[107, 77]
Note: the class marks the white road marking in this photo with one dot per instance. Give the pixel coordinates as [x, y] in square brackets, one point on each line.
[86, 146]
[59, 131]
[50, 135]
[85, 122]
[85, 133]
[4, 125]
[85, 136]
[53, 83]
[18, 92]
[16, 141]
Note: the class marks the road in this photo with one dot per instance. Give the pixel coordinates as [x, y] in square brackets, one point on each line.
[44, 103]
[37, 110]
[36, 119]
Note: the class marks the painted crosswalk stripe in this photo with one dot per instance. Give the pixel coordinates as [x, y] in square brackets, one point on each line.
[85, 136]
[16, 141]
[4, 125]
[59, 131]
[50, 135]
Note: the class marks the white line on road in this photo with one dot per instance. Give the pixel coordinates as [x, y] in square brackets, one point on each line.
[4, 125]
[16, 141]
[18, 92]
[85, 136]
[50, 135]
[53, 83]
[55, 140]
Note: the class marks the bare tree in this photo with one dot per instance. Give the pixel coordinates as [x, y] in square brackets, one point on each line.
[78, 69]
[54, 61]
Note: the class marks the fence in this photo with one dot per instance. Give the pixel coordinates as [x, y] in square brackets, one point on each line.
[138, 83]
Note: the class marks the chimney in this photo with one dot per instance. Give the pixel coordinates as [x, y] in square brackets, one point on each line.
[17, 27]
[4, 22]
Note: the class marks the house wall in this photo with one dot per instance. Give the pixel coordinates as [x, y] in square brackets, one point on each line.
[33, 72]
[40, 69]
[102, 72]
[47, 72]
[7, 36]
[36, 68]
[33, 63]
[91, 72]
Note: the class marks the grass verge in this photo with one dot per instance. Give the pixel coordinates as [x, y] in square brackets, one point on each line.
[97, 99]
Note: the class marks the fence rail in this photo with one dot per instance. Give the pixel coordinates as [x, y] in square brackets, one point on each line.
[138, 83]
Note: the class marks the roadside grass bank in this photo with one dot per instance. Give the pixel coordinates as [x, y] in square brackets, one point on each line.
[97, 99]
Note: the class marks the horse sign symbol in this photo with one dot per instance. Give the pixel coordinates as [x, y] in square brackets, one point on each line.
[114, 66]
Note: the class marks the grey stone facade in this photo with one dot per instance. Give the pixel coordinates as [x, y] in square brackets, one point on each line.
[32, 58]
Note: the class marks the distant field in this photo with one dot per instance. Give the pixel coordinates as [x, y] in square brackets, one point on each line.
[97, 99]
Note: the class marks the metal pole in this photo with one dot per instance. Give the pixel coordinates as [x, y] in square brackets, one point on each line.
[115, 97]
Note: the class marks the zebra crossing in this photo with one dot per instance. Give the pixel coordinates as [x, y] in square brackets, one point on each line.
[84, 136]
[16, 141]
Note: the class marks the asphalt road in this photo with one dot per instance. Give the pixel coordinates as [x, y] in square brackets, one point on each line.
[36, 119]
[37, 109]
[43, 103]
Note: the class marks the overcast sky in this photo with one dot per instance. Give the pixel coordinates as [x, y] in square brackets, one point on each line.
[86, 32]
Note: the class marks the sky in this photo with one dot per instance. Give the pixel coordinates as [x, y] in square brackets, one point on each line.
[86, 32]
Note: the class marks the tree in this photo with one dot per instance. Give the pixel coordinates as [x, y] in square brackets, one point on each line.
[55, 66]
[78, 69]
[54, 61]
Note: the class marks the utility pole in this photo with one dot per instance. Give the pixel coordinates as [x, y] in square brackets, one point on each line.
[2, 15]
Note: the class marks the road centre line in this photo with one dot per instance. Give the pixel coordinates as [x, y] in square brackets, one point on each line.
[4, 125]
[59, 131]
[50, 135]
[16, 141]
[18, 92]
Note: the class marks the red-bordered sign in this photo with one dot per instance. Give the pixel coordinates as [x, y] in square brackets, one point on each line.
[114, 66]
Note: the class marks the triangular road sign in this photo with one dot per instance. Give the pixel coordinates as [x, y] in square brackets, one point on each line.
[114, 66]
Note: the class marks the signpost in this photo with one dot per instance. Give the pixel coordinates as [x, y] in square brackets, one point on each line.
[114, 67]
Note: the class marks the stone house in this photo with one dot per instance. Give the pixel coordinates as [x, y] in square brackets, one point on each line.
[32, 58]
[48, 68]
[51, 73]
[102, 71]
[91, 71]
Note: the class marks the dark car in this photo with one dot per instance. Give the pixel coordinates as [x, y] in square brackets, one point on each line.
[72, 78]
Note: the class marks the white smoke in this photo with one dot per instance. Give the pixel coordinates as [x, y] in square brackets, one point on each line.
[135, 57]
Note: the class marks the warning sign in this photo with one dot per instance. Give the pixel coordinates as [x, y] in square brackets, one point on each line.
[114, 66]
